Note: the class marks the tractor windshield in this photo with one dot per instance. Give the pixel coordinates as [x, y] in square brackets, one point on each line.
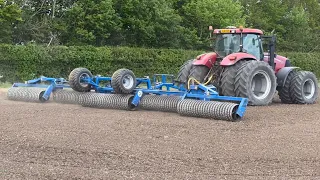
[230, 43]
[227, 44]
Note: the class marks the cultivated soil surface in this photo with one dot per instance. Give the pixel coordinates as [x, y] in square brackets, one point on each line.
[59, 141]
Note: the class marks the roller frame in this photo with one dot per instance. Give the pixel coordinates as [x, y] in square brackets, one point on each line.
[95, 83]
[55, 83]
[201, 92]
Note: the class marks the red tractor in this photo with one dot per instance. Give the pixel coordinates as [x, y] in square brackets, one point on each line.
[240, 67]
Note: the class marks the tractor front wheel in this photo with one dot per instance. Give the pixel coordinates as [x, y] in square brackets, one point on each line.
[184, 72]
[304, 88]
[199, 73]
[256, 81]
[228, 75]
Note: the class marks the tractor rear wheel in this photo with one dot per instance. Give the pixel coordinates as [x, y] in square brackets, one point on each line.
[284, 92]
[256, 81]
[184, 72]
[304, 88]
[199, 72]
[227, 87]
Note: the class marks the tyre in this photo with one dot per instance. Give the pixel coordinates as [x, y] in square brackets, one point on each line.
[184, 72]
[199, 72]
[227, 81]
[75, 79]
[123, 81]
[284, 92]
[256, 81]
[304, 88]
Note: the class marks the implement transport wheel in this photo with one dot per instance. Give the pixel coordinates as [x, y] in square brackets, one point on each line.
[304, 88]
[227, 81]
[41, 98]
[123, 81]
[199, 72]
[184, 71]
[284, 92]
[75, 79]
[256, 81]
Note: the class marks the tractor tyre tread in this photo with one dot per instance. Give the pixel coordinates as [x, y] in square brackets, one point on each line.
[242, 84]
[284, 92]
[296, 88]
[117, 78]
[227, 81]
[184, 72]
[199, 72]
[74, 79]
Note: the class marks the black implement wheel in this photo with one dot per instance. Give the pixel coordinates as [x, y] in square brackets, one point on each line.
[256, 81]
[227, 82]
[75, 79]
[284, 92]
[184, 72]
[123, 81]
[199, 72]
[304, 88]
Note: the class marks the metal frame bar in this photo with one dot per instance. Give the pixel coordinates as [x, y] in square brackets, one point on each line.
[54, 84]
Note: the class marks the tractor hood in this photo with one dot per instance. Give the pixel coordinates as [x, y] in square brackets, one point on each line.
[231, 59]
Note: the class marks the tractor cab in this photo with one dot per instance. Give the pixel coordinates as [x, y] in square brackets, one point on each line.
[232, 40]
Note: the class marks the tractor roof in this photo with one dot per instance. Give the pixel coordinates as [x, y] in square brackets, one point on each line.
[234, 30]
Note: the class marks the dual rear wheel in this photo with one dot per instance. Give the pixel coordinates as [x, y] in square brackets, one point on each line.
[301, 87]
[257, 81]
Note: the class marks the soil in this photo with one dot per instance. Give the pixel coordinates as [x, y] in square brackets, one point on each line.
[61, 141]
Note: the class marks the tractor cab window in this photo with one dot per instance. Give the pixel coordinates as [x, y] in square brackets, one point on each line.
[252, 45]
[230, 43]
[227, 44]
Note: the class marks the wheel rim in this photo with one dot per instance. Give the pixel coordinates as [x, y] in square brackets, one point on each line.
[261, 85]
[127, 81]
[309, 89]
[83, 76]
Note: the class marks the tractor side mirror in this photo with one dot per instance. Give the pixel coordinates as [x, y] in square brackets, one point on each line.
[211, 31]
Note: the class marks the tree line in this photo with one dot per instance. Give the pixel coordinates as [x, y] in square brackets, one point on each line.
[156, 23]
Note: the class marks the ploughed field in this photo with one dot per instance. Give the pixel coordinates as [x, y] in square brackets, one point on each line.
[59, 141]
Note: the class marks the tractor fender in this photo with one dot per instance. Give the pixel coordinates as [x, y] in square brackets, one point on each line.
[283, 74]
[231, 59]
[207, 59]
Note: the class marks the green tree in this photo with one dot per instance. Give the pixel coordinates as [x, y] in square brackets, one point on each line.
[90, 22]
[297, 33]
[9, 15]
[153, 23]
[200, 14]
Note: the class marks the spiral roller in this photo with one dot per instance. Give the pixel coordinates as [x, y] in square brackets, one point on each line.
[159, 103]
[106, 101]
[66, 96]
[208, 109]
[26, 94]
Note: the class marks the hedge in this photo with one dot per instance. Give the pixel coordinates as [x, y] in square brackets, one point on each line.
[20, 63]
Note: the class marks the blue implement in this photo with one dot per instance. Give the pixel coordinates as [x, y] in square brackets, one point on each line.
[48, 84]
[161, 94]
